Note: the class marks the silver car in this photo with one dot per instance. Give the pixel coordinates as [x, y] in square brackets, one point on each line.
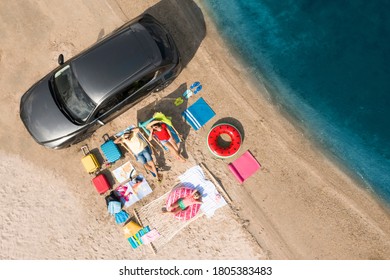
[94, 87]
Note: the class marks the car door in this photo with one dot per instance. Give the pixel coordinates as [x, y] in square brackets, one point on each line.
[111, 107]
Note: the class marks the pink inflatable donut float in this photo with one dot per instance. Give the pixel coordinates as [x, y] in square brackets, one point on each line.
[181, 192]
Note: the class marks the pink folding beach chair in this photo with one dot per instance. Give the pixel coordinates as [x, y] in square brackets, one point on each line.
[244, 167]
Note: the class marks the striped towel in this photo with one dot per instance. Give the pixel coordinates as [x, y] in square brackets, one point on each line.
[212, 199]
[198, 114]
[136, 240]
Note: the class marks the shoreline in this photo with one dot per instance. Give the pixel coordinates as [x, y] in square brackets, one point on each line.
[298, 206]
[266, 89]
[361, 187]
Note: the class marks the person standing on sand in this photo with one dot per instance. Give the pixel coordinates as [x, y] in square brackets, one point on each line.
[140, 150]
[161, 131]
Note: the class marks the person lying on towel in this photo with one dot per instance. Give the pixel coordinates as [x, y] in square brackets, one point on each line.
[140, 149]
[183, 203]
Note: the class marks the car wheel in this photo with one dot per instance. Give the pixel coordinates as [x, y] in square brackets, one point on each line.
[162, 86]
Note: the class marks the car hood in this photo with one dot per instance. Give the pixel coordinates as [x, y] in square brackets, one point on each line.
[41, 115]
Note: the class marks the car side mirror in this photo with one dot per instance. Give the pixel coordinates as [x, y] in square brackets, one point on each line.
[100, 122]
[61, 59]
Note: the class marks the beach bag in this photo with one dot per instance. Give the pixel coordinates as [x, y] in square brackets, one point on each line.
[121, 217]
[113, 196]
[114, 207]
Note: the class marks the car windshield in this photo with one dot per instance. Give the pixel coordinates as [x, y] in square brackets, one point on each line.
[71, 96]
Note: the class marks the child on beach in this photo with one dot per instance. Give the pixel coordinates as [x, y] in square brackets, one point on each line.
[140, 149]
[183, 203]
[161, 131]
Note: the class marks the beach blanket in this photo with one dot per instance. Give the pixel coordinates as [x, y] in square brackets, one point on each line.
[133, 191]
[211, 198]
[124, 172]
[198, 114]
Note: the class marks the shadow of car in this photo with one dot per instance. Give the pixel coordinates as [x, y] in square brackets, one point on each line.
[92, 88]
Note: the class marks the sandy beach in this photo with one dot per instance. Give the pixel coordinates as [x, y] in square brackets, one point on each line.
[299, 205]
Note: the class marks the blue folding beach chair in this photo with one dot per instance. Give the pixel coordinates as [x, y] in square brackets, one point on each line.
[140, 135]
[161, 118]
[198, 114]
[143, 138]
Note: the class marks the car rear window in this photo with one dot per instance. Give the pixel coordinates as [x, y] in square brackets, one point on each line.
[160, 36]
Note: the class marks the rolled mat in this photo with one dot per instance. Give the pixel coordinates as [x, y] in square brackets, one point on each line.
[236, 173]
[244, 167]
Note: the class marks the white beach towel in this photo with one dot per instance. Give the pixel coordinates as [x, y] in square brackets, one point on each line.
[212, 199]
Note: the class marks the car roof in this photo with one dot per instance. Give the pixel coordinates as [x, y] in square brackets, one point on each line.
[115, 61]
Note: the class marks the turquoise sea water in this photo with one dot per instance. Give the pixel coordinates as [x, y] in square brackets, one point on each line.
[329, 65]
